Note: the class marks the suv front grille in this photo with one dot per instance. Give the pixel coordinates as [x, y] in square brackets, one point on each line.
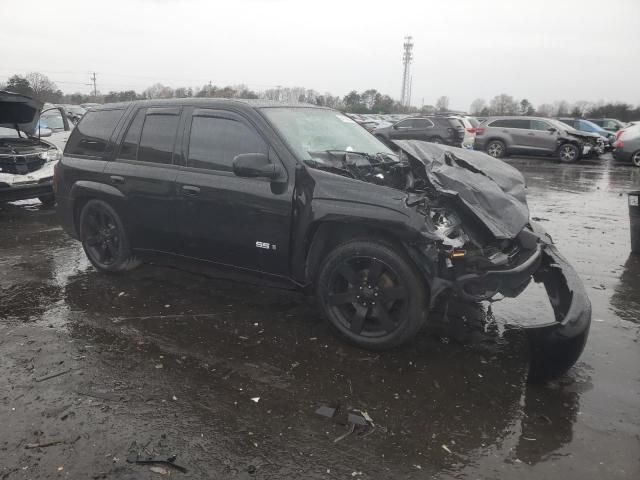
[20, 164]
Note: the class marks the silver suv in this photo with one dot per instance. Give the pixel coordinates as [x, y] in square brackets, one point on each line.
[500, 136]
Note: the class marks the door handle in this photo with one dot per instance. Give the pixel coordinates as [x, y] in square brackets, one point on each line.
[190, 190]
[117, 179]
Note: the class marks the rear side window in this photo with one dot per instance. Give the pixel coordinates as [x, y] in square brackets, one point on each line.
[540, 125]
[129, 148]
[510, 123]
[214, 142]
[91, 136]
[158, 137]
[422, 123]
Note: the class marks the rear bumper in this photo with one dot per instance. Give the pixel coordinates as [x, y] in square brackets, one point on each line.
[64, 210]
[621, 155]
[30, 190]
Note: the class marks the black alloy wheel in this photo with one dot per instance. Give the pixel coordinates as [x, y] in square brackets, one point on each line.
[371, 295]
[104, 238]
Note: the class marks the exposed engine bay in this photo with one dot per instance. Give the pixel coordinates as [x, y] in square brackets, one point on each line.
[23, 155]
[474, 205]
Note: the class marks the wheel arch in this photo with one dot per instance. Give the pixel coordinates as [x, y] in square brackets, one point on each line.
[324, 236]
[84, 190]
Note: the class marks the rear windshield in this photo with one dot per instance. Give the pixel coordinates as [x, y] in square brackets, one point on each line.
[91, 136]
[474, 122]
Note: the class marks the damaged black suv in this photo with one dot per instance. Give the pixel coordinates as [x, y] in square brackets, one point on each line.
[303, 196]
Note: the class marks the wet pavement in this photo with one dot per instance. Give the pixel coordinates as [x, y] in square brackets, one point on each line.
[96, 369]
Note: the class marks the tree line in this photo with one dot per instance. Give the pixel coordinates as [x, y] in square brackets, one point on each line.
[39, 86]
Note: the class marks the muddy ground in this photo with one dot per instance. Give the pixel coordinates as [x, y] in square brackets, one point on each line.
[96, 370]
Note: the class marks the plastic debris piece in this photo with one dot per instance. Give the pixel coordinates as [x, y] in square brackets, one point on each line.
[325, 411]
[446, 449]
[255, 399]
[159, 470]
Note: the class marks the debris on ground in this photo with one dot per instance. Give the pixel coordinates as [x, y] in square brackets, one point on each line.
[355, 419]
[158, 463]
[52, 375]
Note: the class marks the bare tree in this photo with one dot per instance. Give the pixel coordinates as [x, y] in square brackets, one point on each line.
[442, 104]
[503, 104]
[545, 110]
[43, 88]
[477, 106]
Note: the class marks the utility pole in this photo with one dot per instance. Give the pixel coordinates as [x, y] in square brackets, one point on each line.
[95, 91]
[407, 56]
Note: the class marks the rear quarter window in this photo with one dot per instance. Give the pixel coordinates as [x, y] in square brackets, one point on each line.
[91, 136]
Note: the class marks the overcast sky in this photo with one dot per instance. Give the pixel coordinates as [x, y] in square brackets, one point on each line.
[542, 50]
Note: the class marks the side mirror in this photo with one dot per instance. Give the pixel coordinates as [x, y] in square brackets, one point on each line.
[256, 165]
[395, 127]
[552, 129]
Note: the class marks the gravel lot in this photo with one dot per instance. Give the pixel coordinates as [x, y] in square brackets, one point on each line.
[227, 377]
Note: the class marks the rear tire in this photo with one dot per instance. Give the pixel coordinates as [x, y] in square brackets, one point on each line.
[496, 149]
[635, 159]
[371, 294]
[104, 238]
[568, 153]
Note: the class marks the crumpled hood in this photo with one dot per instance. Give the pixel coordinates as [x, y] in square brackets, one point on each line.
[20, 110]
[491, 189]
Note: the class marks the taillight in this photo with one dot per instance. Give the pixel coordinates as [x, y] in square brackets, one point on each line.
[471, 130]
[618, 144]
[479, 131]
[618, 134]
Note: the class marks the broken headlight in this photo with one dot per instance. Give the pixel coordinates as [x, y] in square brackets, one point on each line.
[448, 227]
[51, 155]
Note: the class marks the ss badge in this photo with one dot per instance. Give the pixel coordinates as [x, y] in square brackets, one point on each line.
[265, 245]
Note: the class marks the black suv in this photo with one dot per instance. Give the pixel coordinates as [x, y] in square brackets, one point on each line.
[304, 197]
[434, 129]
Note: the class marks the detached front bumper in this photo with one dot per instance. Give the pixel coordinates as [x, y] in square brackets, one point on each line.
[556, 345]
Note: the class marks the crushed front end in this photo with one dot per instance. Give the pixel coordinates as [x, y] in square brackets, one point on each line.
[479, 243]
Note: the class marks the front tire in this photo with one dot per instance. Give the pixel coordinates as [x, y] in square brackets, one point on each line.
[371, 294]
[496, 149]
[635, 159]
[104, 238]
[568, 153]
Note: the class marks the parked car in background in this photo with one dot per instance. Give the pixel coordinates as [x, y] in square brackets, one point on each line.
[73, 112]
[369, 125]
[609, 124]
[303, 197]
[434, 129]
[587, 126]
[500, 136]
[469, 124]
[627, 147]
[87, 106]
[27, 161]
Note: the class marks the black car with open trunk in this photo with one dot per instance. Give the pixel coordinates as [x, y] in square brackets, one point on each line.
[304, 197]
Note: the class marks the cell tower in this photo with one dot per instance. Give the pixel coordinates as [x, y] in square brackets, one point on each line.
[407, 56]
